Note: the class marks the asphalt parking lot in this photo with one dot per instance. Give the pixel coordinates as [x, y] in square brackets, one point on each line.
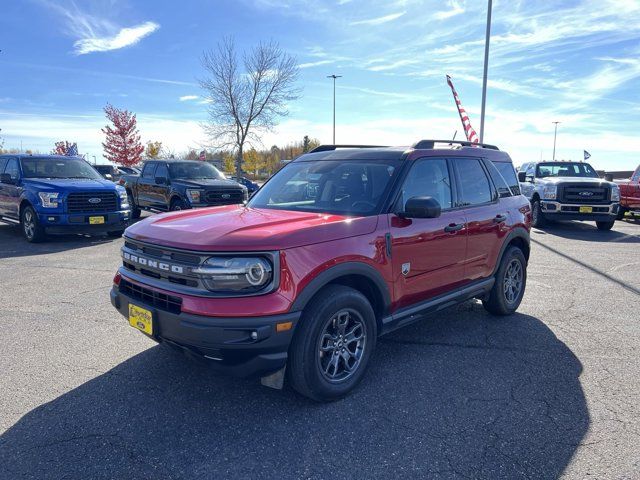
[552, 391]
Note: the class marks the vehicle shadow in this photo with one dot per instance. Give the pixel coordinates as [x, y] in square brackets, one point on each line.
[584, 231]
[459, 395]
[13, 244]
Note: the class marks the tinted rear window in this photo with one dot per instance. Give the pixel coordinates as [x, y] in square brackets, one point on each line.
[509, 174]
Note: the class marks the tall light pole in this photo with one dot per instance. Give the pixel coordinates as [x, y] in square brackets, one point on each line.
[486, 68]
[555, 134]
[334, 104]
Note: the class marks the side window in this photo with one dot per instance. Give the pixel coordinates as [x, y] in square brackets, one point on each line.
[636, 175]
[475, 188]
[497, 179]
[12, 168]
[148, 170]
[509, 175]
[162, 171]
[3, 162]
[428, 177]
[531, 170]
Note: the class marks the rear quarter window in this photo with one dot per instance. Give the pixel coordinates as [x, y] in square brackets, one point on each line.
[509, 175]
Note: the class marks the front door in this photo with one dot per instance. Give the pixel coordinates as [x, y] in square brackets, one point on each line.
[10, 192]
[427, 254]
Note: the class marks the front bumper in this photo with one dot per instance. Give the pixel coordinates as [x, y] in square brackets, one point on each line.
[56, 223]
[567, 211]
[225, 342]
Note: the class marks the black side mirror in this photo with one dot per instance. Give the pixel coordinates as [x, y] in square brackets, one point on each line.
[161, 180]
[522, 176]
[422, 207]
[6, 178]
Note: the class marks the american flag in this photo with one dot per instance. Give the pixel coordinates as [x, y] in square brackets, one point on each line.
[72, 151]
[470, 133]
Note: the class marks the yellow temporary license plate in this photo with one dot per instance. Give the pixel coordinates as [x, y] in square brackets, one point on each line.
[141, 318]
[586, 209]
[96, 220]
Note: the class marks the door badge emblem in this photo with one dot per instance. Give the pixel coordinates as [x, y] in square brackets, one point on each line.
[405, 268]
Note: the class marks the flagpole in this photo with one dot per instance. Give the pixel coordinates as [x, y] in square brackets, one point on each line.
[555, 134]
[486, 68]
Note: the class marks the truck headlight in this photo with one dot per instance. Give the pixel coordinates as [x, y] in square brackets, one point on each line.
[49, 199]
[236, 274]
[549, 192]
[194, 195]
[615, 193]
[124, 198]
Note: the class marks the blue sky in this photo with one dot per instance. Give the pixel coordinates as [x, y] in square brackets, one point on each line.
[577, 62]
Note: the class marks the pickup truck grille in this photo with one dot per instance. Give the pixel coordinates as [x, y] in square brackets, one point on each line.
[87, 202]
[224, 196]
[584, 194]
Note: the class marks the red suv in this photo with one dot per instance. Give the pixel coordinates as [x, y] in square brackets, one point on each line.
[342, 245]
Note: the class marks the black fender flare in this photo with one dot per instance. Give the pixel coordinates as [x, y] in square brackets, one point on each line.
[342, 270]
[517, 232]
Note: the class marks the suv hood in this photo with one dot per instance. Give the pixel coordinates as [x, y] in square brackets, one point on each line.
[205, 182]
[557, 180]
[238, 228]
[69, 184]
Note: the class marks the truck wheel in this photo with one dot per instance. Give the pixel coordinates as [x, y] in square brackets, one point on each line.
[537, 217]
[135, 211]
[605, 225]
[333, 344]
[115, 233]
[177, 204]
[511, 280]
[31, 227]
[621, 212]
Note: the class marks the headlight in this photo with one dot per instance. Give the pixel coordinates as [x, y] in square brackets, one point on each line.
[194, 195]
[615, 193]
[549, 192]
[236, 274]
[124, 198]
[49, 199]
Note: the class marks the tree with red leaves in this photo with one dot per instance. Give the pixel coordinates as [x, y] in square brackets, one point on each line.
[123, 144]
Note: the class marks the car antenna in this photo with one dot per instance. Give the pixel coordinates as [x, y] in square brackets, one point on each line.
[454, 137]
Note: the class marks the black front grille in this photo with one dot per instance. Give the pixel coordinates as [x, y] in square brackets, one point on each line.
[92, 202]
[224, 196]
[150, 297]
[584, 194]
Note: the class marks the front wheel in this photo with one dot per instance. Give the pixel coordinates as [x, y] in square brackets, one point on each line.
[537, 217]
[31, 228]
[177, 205]
[511, 280]
[115, 233]
[621, 212]
[333, 344]
[605, 225]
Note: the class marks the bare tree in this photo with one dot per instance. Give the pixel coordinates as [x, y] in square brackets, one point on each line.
[243, 105]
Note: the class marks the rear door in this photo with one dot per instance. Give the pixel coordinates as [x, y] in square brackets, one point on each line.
[160, 191]
[10, 193]
[427, 254]
[485, 216]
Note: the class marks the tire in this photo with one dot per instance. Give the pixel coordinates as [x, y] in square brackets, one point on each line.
[605, 225]
[135, 211]
[311, 368]
[176, 205]
[31, 228]
[537, 217]
[115, 233]
[505, 299]
[621, 212]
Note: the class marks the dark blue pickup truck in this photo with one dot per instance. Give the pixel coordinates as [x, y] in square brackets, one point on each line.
[50, 194]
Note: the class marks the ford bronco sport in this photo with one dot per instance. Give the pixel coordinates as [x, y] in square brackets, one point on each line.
[340, 246]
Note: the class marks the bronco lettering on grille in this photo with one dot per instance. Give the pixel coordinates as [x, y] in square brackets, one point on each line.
[167, 267]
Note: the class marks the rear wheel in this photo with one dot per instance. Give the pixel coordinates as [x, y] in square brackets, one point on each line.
[333, 344]
[537, 217]
[511, 280]
[605, 225]
[31, 228]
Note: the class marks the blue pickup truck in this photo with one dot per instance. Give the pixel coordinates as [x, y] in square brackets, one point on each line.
[51, 194]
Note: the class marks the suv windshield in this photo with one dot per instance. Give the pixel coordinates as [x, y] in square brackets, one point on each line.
[35, 167]
[340, 187]
[194, 170]
[565, 169]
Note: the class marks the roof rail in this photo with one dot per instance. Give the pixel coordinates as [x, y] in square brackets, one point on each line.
[430, 144]
[327, 148]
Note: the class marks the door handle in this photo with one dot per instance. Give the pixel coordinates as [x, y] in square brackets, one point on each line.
[500, 219]
[454, 227]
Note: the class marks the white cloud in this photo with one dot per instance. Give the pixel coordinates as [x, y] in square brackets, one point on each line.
[379, 20]
[315, 64]
[393, 65]
[456, 9]
[124, 38]
[185, 98]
